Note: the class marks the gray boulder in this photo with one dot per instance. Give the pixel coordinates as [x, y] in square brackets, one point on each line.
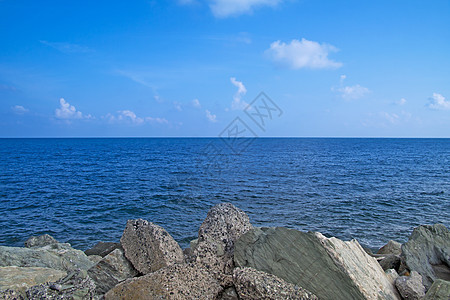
[392, 247]
[21, 278]
[55, 256]
[40, 241]
[252, 284]
[328, 267]
[214, 249]
[440, 290]
[411, 287]
[427, 246]
[179, 281]
[149, 247]
[111, 270]
[102, 248]
[392, 275]
[390, 262]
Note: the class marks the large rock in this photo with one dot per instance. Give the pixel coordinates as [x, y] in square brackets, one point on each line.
[40, 241]
[411, 287]
[252, 284]
[55, 256]
[111, 270]
[21, 278]
[328, 267]
[149, 247]
[427, 246]
[392, 247]
[180, 281]
[103, 248]
[440, 290]
[390, 261]
[214, 249]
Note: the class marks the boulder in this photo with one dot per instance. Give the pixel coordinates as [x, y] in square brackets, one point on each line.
[440, 290]
[328, 267]
[390, 261]
[149, 247]
[411, 287]
[252, 284]
[179, 281]
[102, 248]
[55, 256]
[392, 247]
[21, 278]
[111, 270]
[76, 285]
[392, 275]
[427, 246]
[40, 241]
[214, 249]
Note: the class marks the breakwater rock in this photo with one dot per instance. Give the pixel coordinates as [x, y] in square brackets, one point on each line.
[230, 259]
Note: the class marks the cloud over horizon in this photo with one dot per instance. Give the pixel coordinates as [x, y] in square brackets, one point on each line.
[237, 101]
[69, 112]
[438, 102]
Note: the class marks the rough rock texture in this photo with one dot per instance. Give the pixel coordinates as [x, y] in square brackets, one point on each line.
[111, 270]
[11, 295]
[54, 256]
[428, 245]
[329, 268]
[103, 248]
[179, 281]
[390, 262]
[391, 275]
[40, 241]
[440, 290]
[214, 250]
[149, 247]
[392, 247]
[21, 278]
[252, 284]
[76, 285]
[229, 294]
[411, 287]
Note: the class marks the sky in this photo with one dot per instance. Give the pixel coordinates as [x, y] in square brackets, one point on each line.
[196, 68]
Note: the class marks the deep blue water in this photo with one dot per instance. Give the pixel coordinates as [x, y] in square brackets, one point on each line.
[83, 191]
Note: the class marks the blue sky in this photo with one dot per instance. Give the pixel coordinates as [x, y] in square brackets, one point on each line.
[190, 67]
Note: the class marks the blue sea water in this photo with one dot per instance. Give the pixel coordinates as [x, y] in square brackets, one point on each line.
[83, 191]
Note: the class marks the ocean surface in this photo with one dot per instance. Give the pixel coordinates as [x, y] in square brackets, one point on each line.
[83, 191]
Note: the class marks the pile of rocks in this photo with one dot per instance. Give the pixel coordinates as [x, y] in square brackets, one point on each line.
[231, 259]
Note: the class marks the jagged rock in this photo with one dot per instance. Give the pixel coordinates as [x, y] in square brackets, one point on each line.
[391, 275]
[95, 258]
[252, 284]
[111, 270]
[392, 247]
[149, 247]
[40, 241]
[11, 295]
[229, 294]
[102, 248]
[55, 256]
[328, 267]
[427, 246]
[411, 287]
[214, 249]
[390, 262]
[21, 278]
[440, 290]
[179, 281]
[76, 285]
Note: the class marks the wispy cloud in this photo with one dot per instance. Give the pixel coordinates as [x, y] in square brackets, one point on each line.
[196, 103]
[67, 47]
[227, 8]
[210, 116]
[302, 54]
[237, 101]
[402, 101]
[351, 92]
[129, 117]
[19, 109]
[138, 78]
[177, 105]
[69, 112]
[438, 102]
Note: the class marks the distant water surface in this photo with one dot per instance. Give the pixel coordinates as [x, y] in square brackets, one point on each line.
[83, 191]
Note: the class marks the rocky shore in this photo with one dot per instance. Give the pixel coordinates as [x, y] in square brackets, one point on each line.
[231, 259]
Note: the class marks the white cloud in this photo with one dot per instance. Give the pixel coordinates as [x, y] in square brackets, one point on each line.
[350, 92]
[19, 109]
[438, 102]
[210, 116]
[128, 116]
[402, 101]
[302, 54]
[237, 102]
[67, 111]
[227, 8]
[196, 103]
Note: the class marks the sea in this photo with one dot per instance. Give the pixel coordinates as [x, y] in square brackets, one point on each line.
[83, 190]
